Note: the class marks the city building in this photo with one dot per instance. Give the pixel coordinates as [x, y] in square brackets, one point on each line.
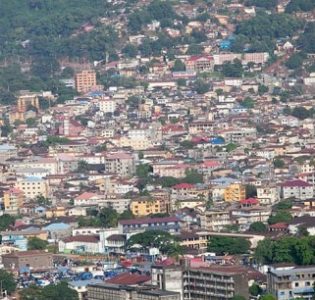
[298, 189]
[108, 291]
[234, 192]
[145, 206]
[34, 259]
[13, 200]
[291, 282]
[85, 80]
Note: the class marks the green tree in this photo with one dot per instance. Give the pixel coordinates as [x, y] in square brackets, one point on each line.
[301, 113]
[35, 243]
[201, 87]
[234, 69]
[193, 177]
[168, 181]
[194, 49]
[126, 215]
[231, 147]
[179, 66]
[7, 281]
[262, 89]
[130, 50]
[162, 240]
[238, 297]
[181, 82]
[278, 163]
[83, 166]
[60, 291]
[255, 290]
[33, 292]
[295, 61]
[251, 191]
[108, 217]
[42, 201]
[187, 144]
[6, 221]
[143, 170]
[222, 245]
[268, 297]
[30, 122]
[280, 216]
[248, 102]
[258, 227]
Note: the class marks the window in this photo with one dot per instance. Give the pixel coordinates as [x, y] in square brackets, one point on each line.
[296, 284]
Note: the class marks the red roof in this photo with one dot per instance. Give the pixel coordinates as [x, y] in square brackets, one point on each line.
[129, 279]
[86, 196]
[252, 201]
[295, 183]
[280, 225]
[210, 164]
[182, 186]
[148, 221]
[197, 57]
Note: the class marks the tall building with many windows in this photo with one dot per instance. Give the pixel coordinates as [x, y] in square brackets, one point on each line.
[85, 80]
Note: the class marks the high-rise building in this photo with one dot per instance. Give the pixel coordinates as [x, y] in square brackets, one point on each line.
[85, 80]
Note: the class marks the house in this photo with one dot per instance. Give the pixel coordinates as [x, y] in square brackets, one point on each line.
[298, 189]
[87, 199]
[215, 220]
[34, 259]
[306, 222]
[169, 224]
[200, 63]
[81, 243]
[120, 163]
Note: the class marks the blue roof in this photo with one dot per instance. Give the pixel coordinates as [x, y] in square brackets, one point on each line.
[7, 147]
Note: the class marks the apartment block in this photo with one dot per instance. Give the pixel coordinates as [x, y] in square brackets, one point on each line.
[85, 80]
[291, 282]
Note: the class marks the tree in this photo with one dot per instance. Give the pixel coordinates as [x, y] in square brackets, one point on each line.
[108, 217]
[168, 181]
[262, 89]
[130, 50]
[42, 201]
[181, 82]
[35, 243]
[179, 66]
[230, 147]
[126, 215]
[255, 290]
[238, 297]
[278, 163]
[83, 166]
[60, 291]
[7, 281]
[222, 245]
[201, 87]
[234, 69]
[248, 102]
[251, 191]
[301, 113]
[280, 216]
[194, 49]
[143, 170]
[268, 297]
[6, 221]
[30, 122]
[187, 144]
[258, 227]
[193, 177]
[33, 292]
[295, 61]
[162, 240]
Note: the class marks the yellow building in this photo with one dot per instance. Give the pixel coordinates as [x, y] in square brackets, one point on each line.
[235, 192]
[13, 200]
[145, 206]
[27, 100]
[55, 212]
